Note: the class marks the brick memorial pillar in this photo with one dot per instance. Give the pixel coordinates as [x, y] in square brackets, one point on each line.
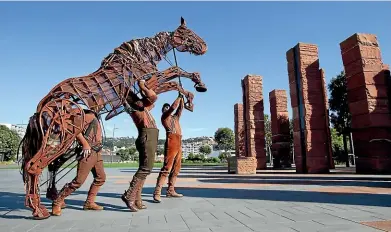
[368, 100]
[311, 148]
[254, 119]
[239, 131]
[239, 138]
[280, 128]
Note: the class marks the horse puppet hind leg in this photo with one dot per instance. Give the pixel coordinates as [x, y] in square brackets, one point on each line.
[66, 120]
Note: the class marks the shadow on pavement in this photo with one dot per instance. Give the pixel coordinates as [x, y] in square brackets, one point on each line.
[361, 199]
[284, 180]
[11, 202]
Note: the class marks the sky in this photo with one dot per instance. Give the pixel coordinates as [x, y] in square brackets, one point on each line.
[44, 43]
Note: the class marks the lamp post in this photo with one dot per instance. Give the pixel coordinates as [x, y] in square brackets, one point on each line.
[112, 150]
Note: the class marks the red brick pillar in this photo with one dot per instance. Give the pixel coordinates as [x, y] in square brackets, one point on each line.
[254, 119]
[239, 131]
[311, 148]
[368, 103]
[280, 128]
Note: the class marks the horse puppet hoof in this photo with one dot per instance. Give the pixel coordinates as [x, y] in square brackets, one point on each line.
[41, 213]
[201, 88]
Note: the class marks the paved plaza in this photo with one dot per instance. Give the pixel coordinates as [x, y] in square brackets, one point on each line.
[215, 201]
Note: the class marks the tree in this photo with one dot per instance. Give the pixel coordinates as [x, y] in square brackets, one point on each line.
[223, 156]
[190, 156]
[340, 116]
[337, 145]
[127, 154]
[195, 158]
[268, 134]
[124, 154]
[159, 151]
[205, 150]
[9, 142]
[133, 153]
[225, 139]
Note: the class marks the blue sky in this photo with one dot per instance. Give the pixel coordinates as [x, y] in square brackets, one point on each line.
[43, 43]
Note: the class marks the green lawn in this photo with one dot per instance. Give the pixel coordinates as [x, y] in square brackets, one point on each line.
[126, 165]
[157, 165]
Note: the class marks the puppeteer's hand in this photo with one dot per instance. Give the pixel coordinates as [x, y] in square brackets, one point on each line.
[141, 82]
[86, 151]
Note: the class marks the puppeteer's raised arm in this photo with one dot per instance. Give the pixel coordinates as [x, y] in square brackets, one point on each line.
[178, 112]
[149, 96]
[172, 107]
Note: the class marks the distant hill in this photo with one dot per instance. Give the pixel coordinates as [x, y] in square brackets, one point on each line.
[130, 141]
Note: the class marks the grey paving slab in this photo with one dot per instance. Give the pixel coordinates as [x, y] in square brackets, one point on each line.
[303, 226]
[205, 208]
[347, 227]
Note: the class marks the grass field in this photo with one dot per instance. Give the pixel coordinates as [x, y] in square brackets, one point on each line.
[124, 165]
[157, 165]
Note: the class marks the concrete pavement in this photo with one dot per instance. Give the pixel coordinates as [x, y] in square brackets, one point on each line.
[215, 201]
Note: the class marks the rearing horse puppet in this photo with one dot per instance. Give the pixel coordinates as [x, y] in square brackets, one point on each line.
[60, 117]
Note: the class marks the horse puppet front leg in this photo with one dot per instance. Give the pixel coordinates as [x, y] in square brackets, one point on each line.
[172, 85]
[60, 121]
[156, 79]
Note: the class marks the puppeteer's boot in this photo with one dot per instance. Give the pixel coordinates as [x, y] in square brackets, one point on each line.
[158, 189]
[59, 202]
[171, 189]
[139, 201]
[90, 204]
[129, 197]
[52, 193]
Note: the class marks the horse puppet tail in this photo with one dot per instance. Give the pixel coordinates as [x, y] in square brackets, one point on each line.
[30, 143]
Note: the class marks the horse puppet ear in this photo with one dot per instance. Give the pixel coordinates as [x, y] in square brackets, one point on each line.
[183, 22]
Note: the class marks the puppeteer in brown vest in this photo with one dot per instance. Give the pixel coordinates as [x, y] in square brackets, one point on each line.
[146, 143]
[89, 161]
[172, 149]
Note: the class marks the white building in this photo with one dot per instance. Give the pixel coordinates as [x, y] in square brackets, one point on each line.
[119, 148]
[194, 147]
[189, 146]
[20, 130]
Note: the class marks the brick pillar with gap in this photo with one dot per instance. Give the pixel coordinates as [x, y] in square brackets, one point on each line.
[279, 118]
[368, 99]
[239, 131]
[254, 119]
[311, 143]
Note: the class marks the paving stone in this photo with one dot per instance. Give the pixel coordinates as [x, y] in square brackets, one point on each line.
[303, 226]
[347, 227]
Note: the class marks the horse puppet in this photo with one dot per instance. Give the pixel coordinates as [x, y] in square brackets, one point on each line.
[60, 117]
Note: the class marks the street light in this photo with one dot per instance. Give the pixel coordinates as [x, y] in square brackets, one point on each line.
[112, 151]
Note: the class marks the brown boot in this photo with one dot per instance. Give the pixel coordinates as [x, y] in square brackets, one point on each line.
[171, 189]
[90, 204]
[59, 202]
[158, 189]
[139, 201]
[129, 197]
